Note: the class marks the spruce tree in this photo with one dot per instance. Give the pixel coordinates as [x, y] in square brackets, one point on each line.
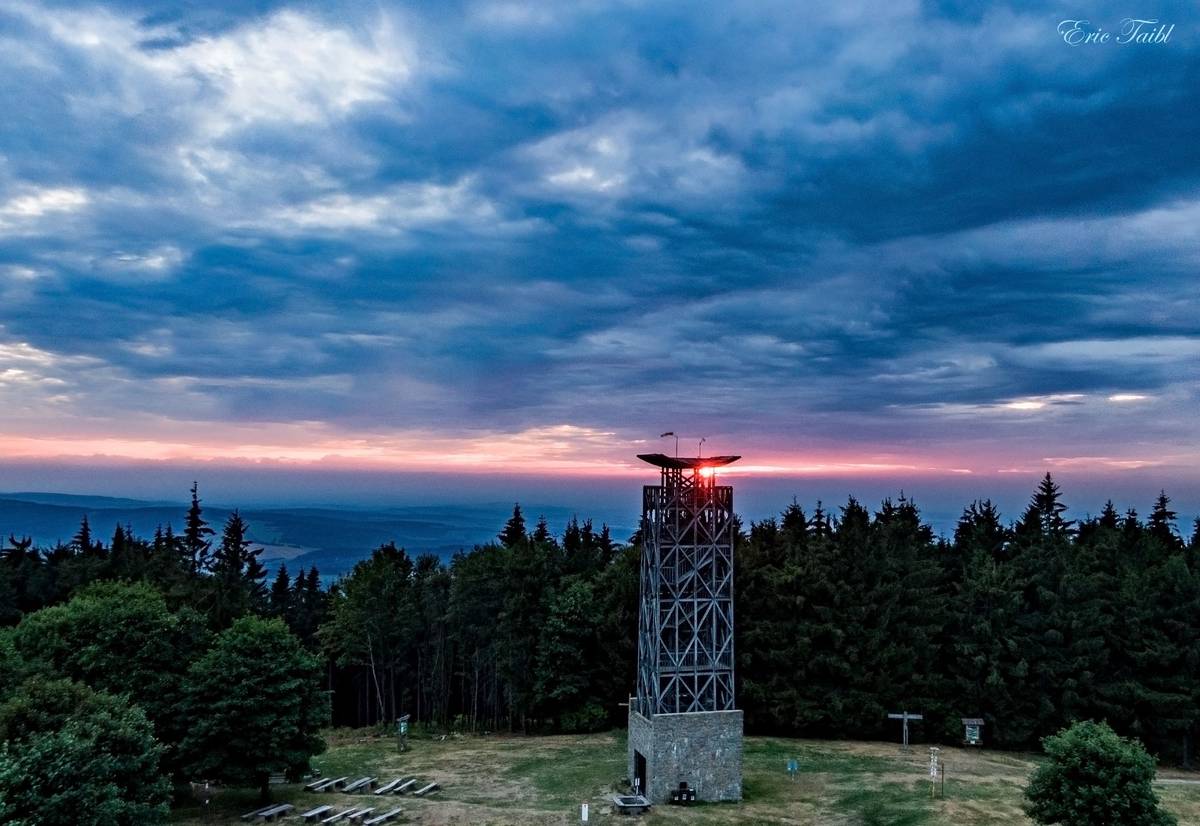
[1108, 517]
[1162, 523]
[541, 533]
[119, 552]
[237, 574]
[281, 594]
[83, 542]
[196, 543]
[514, 529]
[1041, 551]
[605, 545]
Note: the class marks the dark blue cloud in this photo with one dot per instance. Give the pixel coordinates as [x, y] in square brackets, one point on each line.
[875, 222]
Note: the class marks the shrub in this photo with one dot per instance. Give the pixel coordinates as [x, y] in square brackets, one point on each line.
[1094, 778]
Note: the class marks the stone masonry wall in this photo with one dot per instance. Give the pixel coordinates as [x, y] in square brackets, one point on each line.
[702, 748]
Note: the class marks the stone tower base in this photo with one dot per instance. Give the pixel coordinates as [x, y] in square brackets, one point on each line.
[702, 748]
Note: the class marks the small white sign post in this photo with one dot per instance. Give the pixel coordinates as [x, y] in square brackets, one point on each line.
[933, 769]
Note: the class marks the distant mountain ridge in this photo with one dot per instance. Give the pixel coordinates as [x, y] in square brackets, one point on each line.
[331, 538]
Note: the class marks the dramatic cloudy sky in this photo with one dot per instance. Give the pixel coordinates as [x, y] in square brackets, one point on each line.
[924, 243]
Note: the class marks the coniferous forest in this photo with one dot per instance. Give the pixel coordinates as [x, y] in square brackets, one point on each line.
[843, 614]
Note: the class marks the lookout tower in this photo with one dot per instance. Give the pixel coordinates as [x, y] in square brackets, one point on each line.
[683, 724]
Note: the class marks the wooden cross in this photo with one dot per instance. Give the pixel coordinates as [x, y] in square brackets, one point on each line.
[905, 716]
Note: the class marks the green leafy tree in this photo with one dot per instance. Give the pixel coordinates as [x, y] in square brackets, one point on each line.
[253, 706]
[616, 592]
[12, 668]
[373, 624]
[121, 639]
[71, 756]
[566, 657]
[1094, 777]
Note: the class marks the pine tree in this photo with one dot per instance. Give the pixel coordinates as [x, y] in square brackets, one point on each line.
[1047, 509]
[1108, 517]
[820, 526]
[238, 575]
[1162, 523]
[83, 542]
[606, 546]
[1041, 553]
[281, 594]
[541, 533]
[119, 551]
[528, 582]
[196, 543]
[514, 529]
[255, 577]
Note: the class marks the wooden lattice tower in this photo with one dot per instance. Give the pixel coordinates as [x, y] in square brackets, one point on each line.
[685, 623]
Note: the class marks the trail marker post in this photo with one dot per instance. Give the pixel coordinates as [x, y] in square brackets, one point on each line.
[905, 717]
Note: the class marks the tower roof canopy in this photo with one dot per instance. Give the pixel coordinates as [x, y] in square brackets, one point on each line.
[686, 463]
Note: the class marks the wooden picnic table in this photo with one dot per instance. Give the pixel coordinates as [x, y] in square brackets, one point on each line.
[383, 818]
[432, 787]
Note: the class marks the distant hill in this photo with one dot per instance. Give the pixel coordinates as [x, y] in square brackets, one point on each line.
[333, 539]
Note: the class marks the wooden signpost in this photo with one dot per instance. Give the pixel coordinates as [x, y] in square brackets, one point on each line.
[402, 733]
[906, 716]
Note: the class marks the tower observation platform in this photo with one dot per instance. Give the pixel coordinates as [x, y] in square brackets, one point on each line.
[683, 722]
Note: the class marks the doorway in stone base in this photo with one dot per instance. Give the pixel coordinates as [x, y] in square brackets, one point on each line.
[640, 779]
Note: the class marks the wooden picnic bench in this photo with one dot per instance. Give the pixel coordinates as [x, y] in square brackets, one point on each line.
[314, 814]
[275, 812]
[360, 783]
[360, 814]
[432, 787]
[386, 788]
[405, 786]
[383, 818]
[257, 812]
[336, 816]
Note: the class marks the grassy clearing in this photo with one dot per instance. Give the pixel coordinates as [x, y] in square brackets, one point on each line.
[542, 780]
